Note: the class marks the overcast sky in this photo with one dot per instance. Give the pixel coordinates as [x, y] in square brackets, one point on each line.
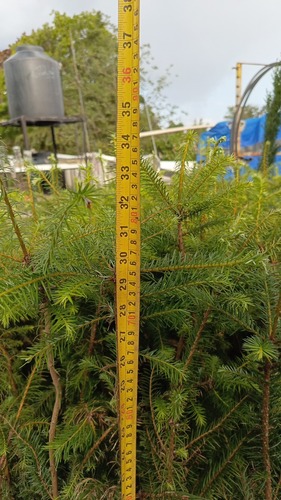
[202, 39]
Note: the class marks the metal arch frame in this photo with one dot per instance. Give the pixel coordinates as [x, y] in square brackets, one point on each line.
[243, 101]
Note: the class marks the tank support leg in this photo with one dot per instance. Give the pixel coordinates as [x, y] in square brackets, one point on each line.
[54, 141]
[25, 134]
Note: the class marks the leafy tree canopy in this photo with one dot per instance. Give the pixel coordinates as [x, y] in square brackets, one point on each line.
[250, 111]
[86, 46]
[273, 120]
[95, 50]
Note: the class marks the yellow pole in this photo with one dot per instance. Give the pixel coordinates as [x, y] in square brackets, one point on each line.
[238, 84]
[237, 101]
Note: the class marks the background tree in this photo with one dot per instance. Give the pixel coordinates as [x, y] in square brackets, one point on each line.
[86, 47]
[156, 111]
[164, 146]
[95, 50]
[250, 111]
[273, 120]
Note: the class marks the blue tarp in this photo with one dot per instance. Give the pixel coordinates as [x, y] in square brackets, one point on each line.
[251, 135]
[252, 132]
[221, 129]
[251, 140]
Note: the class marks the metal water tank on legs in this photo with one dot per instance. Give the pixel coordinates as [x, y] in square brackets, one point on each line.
[33, 84]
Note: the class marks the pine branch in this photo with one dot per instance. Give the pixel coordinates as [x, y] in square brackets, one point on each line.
[189, 142]
[10, 257]
[162, 446]
[154, 215]
[258, 226]
[234, 318]
[14, 222]
[36, 280]
[160, 314]
[94, 325]
[154, 452]
[180, 238]
[157, 185]
[58, 400]
[278, 487]
[194, 266]
[30, 447]
[197, 339]
[9, 369]
[276, 318]
[266, 401]
[265, 431]
[264, 165]
[162, 362]
[215, 165]
[3, 459]
[96, 445]
[170, 454]
[31, 194]
[174, 495]
[182, 172]
[45, 179]
[217, 426]
[25, 392]
[223, 466]
[54, 420]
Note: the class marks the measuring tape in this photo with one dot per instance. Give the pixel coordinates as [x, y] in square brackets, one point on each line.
[128, 237]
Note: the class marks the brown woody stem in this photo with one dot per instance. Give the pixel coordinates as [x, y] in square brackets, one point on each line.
[57, 404]
[180, 239]
[197, 339]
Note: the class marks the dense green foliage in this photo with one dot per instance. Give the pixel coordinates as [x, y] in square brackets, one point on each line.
[209, 381]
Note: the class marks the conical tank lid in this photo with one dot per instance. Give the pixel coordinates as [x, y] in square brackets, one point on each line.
[21, 48]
